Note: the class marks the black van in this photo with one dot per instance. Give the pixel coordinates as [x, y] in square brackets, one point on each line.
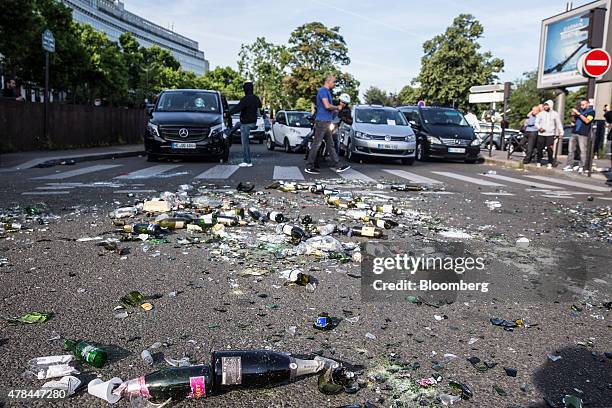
[442, 133]
[188, 122]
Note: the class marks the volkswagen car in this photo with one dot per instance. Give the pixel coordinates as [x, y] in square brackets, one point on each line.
[188, 122]
[442, 133]
[377, 131]
[289, 129]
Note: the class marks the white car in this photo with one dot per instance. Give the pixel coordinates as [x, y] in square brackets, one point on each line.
[258, 134]
[288, 130]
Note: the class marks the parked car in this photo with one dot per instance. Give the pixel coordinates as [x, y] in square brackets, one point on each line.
[258, 134]
[442, 133]
[289, 129]
[377, 131]
[188, 122]
[485, 132]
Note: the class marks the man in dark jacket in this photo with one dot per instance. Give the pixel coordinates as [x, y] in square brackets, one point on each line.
[248, 107]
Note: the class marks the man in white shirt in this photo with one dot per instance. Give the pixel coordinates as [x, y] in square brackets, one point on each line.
[472, 120]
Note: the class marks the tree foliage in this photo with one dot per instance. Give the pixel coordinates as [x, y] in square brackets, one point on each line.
[224, 79]
[453, 63]
[525, 95]
[376, 96]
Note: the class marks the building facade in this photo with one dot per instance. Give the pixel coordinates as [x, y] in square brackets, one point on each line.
[110, 17]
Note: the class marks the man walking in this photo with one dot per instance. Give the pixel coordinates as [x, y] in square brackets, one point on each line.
[583, 119]
[322, 128]
[531, 133]
[248, 107]
[549, 125]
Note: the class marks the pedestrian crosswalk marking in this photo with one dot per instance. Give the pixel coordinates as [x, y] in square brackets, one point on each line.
[220, 171]
[287, 173]
[45, 192]
[54, 187]
[77, 172]
[415, 178]
[523, 182]
[148, 172]
[572, 183]
[352, 174]
[497, 193]
[133, 191]
[468, 179]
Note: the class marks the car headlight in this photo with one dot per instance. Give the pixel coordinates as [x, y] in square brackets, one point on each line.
[433, 140]
[153, 129]
[361, 135]
[410, 138]
[476, 142]
[216, 130]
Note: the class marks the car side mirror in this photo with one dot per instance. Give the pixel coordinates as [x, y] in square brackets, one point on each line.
[414, 124]
[150, 111]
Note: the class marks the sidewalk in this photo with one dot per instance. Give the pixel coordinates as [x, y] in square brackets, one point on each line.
[25, 160]
[499, 158]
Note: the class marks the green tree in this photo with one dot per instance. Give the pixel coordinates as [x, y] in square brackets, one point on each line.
[524, 96]
[225, 80]
[453, 63]
[264, 64]
[376, 96]
[409, 95]
[303, 104]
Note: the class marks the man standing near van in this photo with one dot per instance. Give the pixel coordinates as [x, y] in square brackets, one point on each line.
[322, 130]
[583, 119]
[248, 107]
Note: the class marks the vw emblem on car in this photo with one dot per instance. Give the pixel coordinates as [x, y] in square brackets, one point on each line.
[183, 132]
[387, 138]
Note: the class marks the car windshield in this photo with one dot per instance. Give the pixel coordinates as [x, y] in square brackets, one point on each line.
[188, 102]
[380, 116]
[298, 119]
[444, 117]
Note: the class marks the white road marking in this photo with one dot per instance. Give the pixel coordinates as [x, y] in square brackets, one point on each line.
[415, 178]
[45, 192]
[77, 172]
[523, 182]
[148, 172]
[468, 179]
[133, 191]
[220, 171]
[352, 174]
[437, 192]
[287, 173]
[572, 183]
[54, 187]
[497, 194]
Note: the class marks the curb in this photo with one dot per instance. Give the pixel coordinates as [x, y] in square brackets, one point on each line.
[100, 156]
[540, 170]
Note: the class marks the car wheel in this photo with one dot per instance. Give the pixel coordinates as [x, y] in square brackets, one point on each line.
[287, 146]
[420, 152]
[152, 157]
[269, 143]
[261, 140]
[409, 161]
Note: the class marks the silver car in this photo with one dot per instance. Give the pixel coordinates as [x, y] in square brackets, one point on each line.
[378, 131]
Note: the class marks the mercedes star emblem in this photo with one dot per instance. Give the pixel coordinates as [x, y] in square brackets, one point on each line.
[183, 132]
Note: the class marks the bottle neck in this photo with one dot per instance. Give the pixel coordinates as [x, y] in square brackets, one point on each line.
[304, 367]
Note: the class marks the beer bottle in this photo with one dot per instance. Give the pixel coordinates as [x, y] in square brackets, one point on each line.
[206, 221]
[257, 216]
[288, 187]
[234, 212]
[10, 226]
[299, 278]
[365, 231]
[276, 216]
[295, 232]
[258, 369]
[172, 223]
[150, 229]
[227, 220]
[341, 256]
[92, 355]
[177, 383]
[317, 188]
[381, 222]
[387, 209]
[406, 187]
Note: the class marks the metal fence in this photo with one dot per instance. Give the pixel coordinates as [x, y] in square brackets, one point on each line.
[70, 126]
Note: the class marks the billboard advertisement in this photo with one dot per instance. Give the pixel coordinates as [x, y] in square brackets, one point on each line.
[562, 43]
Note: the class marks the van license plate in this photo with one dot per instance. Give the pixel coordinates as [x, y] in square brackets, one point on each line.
[183, 145]
[456, 150]
[387, 146]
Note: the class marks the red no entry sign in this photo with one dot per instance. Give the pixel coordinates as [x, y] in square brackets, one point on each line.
[595, 63]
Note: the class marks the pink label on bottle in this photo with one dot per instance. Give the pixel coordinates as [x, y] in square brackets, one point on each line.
[144, 391]
[198, 387]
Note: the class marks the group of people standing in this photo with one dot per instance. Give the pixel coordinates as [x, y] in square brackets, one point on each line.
[543, 124]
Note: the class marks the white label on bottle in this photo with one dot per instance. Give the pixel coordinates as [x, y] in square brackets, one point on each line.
[208, 218]
[231, 370]
[273, 215]
[287, 229]
[367, 231]
[380, 223]
[387, 208]
[180, 224]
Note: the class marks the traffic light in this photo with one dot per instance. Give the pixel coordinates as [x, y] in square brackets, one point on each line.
[595, 28]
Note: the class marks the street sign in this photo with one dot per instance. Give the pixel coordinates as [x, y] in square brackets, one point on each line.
[421, 104]
[488, 97]
[487, 88]
[48, 41]
[594, 63]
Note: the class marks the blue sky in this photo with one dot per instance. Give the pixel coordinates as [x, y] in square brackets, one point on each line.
[384, 37]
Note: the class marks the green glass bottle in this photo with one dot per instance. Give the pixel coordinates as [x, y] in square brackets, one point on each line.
[206, 221]
[92, 355]
[150, 229]
[172, 223]
[133, 298]
[341, 256]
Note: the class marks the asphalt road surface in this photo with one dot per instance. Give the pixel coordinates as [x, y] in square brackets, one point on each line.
[212, 295]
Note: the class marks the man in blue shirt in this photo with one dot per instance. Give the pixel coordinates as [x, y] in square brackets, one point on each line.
[322, 129]
[583, 118]
[531, 133]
